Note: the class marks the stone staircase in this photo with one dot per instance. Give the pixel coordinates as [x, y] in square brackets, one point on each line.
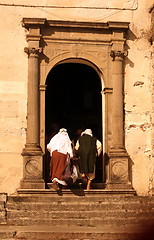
[77, 214]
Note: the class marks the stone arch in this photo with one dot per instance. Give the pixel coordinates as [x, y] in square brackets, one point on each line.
[88, 63]
[91, 61]
[77, 120]
[45, 70]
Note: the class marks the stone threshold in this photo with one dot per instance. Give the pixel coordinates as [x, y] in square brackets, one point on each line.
[80, 192]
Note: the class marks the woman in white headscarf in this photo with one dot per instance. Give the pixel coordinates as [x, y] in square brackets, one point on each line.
[60, 146]
[88, 148]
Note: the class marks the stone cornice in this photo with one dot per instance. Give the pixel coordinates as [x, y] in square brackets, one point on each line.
[28, 22]
[33, 37]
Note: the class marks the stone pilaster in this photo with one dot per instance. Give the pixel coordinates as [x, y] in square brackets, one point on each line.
[107, 92]
[118, 157]
[32, 153]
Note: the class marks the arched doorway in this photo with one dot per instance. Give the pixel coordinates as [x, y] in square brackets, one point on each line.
[74, 101]
[102, 45]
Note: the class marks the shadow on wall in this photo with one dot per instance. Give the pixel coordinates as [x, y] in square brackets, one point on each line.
[131, 37]
[130, 165]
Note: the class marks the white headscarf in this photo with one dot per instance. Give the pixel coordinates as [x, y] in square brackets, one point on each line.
[88, 132]
[61, 142]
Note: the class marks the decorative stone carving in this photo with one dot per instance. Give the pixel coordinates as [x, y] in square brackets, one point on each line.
[77, 49]
[34, 51]
[32, 168]
[118, 54]
[54, 51]
[119, 170]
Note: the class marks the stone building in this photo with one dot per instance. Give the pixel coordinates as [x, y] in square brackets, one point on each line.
[77, 63]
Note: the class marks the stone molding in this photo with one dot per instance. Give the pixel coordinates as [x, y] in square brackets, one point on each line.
[107, 90]
[28, 22]
[42, 87]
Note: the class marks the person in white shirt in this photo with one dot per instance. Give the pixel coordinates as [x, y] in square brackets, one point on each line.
[60, 146]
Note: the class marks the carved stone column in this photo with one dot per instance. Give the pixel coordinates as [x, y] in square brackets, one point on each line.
[118, 157]
[32, 153]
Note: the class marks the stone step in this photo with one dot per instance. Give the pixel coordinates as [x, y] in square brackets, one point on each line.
[7, 235]
[79, 214]
[82, 206]
[97, 221]
[79, 236]
[76, 233]
[76, 210]
[77, 192]
[76, 198]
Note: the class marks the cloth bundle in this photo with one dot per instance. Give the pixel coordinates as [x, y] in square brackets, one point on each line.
[70, 174]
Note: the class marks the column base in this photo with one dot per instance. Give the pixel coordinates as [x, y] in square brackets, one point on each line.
[119, 170]
[118, 185]
[32, 168]
[32, 184]
[121, 188]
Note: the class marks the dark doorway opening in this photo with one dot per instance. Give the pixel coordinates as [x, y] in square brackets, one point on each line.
[74, 101]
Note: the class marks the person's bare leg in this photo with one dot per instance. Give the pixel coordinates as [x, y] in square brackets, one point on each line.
[89, 184]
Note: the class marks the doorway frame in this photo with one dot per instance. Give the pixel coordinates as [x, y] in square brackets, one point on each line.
[82, 62]
[102, 45]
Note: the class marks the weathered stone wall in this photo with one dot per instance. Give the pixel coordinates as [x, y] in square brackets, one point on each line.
[138, 105]
[138, 84]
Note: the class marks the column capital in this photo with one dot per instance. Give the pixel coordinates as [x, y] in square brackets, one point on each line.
[33, 51]
[118, 55]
